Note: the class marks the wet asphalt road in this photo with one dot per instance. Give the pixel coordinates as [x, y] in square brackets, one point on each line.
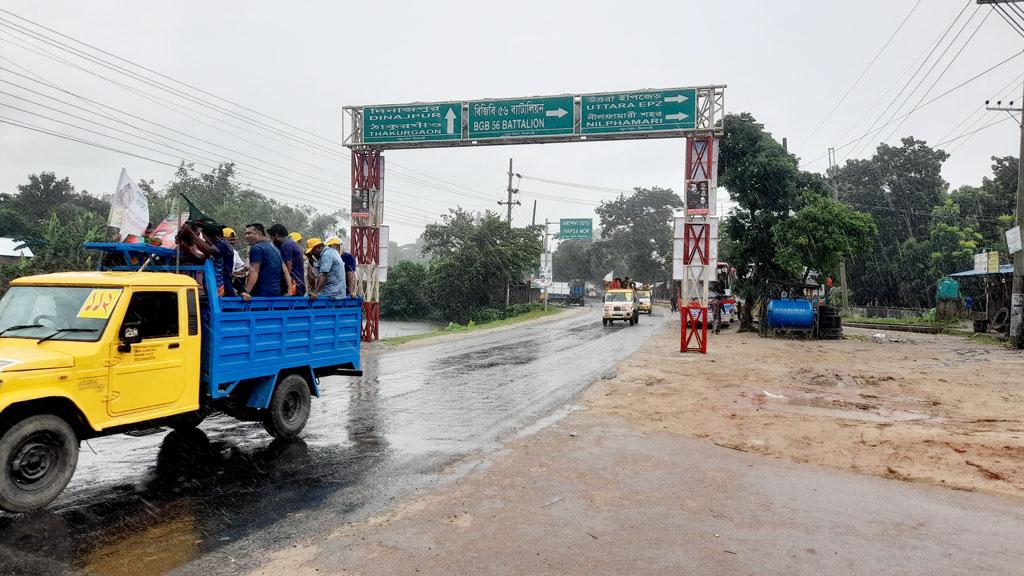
[219, 499]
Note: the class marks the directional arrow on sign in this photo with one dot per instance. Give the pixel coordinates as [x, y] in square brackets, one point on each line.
[557, 113]
[450, 117]
[680, 98]
[680, 116]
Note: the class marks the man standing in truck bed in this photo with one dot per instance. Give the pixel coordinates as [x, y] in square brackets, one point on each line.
[330, 278]
[267, 273]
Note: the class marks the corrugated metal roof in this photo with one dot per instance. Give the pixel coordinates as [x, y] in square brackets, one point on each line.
[1003, 269]
[9, 248]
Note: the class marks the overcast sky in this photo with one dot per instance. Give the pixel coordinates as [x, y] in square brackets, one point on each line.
[786, 62]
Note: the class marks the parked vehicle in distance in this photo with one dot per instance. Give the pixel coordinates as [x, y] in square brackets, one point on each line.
[620, 304]
[644, 301]
[86, 354]
[568, 293]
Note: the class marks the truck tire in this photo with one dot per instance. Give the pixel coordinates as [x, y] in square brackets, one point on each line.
[39, 455]
[289, 407]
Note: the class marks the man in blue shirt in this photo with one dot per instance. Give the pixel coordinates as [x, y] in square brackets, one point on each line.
[330, 278]
[294, 261]
[266, 268]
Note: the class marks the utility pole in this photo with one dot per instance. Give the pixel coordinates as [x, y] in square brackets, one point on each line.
[832, 169]
[533, 219]
[1017, 301]
[547, 258]
[509, 203]
[510, 191]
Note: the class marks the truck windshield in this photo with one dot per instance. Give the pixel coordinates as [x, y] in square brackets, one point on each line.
[615, 297]
[79, 313]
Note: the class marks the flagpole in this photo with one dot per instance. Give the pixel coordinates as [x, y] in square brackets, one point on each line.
[177, 253]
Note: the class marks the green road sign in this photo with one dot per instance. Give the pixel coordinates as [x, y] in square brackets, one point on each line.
[412, 123]
[575, 228]
[550, 116]
[642, 111]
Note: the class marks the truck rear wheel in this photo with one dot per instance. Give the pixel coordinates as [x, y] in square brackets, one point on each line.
[39, 455]
[289, 407]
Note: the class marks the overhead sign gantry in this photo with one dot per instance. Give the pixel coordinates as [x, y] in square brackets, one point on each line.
[691, 112]
[662, 113]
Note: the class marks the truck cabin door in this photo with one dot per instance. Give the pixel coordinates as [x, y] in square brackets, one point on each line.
[151, 372]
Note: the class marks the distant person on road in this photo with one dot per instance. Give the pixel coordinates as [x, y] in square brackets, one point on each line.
[294, 261]
[267, 273]
[330, 279]
[674, 302]
[715, 309]
[350, 263]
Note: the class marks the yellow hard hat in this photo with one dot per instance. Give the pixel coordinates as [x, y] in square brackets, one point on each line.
[312, 243]
[333, 241]
[228, 232]
[295, 236]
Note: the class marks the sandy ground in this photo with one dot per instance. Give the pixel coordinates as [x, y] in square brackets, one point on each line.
[924, 408]
[722, 464]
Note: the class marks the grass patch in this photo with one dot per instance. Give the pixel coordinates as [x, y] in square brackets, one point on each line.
[901, 321]
[453, 328]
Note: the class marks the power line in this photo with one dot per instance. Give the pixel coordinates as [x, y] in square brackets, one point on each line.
[188, 113]
[1009, 19]
[922, 105]
[925, 76]
[863, 73]
[935, 46]
[318, 147]
[1012, 90]
[989, 125]
[944, 70]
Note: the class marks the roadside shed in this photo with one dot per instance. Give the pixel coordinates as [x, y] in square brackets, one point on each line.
[11, 252]
[991, 293]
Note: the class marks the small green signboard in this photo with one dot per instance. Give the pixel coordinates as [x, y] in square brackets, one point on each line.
[575, 228]
[549, 116]
[642, 111]
[412, 123]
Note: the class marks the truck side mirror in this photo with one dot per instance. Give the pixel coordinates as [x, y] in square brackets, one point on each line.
[131, 333]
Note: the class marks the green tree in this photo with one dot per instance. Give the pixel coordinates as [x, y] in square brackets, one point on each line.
[472, 259]
[405, 296]
[220, 196]
[821, 234]
[765, 182]
[638, 230]
[899, 186]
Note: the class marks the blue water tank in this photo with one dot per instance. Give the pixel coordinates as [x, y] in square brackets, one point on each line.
[790, 314]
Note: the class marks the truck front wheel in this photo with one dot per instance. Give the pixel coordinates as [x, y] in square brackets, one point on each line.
[289, 407]
[39, 455]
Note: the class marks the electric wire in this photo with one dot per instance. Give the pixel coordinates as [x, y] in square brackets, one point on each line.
[862, 74]
[935, 45]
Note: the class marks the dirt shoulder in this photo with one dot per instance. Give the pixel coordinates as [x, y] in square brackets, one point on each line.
[924, 408]
[664, 471]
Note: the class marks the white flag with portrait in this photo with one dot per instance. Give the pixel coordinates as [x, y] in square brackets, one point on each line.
[129, 209]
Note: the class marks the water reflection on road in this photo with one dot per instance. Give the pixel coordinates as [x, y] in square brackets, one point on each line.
[214, 500]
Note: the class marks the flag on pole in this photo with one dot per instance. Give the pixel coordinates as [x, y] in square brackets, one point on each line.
[609, 277]
[129, 209]
[194, 213]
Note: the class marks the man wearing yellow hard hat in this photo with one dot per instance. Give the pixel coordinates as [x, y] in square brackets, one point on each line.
[330, 271]
[239, 269]
[348, 259]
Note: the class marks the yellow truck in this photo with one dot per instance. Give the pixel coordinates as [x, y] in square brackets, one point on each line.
[620, 304]
[86, 354]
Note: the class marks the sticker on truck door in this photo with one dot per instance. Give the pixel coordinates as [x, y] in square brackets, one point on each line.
[100, 303]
